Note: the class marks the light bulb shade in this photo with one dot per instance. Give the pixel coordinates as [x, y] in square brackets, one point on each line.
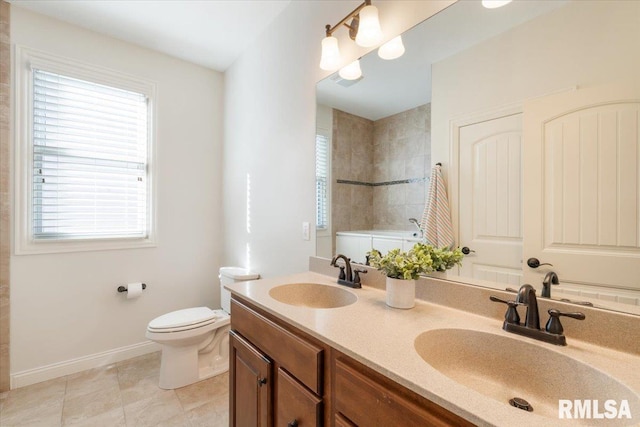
[369, 32]
[330, 59]
[392, 49]
[351, 71]
[493, 4]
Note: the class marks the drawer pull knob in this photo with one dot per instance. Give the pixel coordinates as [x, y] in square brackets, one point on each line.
[262, 381]
[293, 423]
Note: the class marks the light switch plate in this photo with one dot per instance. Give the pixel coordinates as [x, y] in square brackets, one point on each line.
[305, 231]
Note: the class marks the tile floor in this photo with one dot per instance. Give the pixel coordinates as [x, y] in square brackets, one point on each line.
[122, 394]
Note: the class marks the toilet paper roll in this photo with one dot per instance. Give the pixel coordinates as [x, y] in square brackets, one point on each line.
[134, 290]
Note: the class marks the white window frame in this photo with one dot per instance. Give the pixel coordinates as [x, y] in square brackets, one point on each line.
[320, 232]
[24, 242]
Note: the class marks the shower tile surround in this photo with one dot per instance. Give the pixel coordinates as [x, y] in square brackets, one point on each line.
[386, 166]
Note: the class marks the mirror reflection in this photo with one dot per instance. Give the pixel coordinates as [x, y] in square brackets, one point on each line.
[472, 86]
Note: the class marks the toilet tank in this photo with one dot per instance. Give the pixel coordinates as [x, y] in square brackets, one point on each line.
[230, 275]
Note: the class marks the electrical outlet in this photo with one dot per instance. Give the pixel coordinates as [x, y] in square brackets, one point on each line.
[305, 231]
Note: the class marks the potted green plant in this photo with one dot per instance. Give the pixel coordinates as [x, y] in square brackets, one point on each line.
[403, 268]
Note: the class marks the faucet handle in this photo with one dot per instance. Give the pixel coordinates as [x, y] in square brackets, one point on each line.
[511, 316]
[554, 326]
[356, 275]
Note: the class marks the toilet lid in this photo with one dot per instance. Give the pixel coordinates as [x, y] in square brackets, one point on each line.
[181, 318]
[238, 273]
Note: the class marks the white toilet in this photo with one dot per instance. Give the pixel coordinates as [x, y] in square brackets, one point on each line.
[195, 341]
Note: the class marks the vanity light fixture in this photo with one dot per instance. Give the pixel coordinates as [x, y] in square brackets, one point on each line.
[330, 59]
[369, 31]
[364, 28]
[494, 4]
[392, 49]
[351, 71]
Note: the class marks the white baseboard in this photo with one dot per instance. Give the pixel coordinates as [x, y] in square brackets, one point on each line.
[44, 373]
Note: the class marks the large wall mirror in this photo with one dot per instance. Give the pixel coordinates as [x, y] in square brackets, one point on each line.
[533, 110]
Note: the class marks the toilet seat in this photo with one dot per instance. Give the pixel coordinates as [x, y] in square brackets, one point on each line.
[182, 320]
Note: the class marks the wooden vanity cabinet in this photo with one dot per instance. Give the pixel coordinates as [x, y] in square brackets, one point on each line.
[363, 397]
[283, 377]
[295, 386]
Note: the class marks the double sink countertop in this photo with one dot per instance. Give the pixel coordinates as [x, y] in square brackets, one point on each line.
[383, 338]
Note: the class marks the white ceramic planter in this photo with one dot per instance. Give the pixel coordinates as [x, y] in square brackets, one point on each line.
[401, 293]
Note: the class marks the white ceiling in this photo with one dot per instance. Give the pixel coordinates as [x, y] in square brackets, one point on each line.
[212, 33]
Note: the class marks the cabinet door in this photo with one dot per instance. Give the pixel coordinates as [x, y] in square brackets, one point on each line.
[297, 406]
[250, 380]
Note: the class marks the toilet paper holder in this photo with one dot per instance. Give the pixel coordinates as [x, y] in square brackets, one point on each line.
[124, 288]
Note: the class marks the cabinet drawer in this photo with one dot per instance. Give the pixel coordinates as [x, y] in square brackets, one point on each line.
[368, 399]
[296, 405]
[302, 359]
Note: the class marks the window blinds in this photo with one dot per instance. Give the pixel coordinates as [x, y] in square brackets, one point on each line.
[322, 153]
[89, 159]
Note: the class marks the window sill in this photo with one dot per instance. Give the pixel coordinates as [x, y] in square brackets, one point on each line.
[62, 246]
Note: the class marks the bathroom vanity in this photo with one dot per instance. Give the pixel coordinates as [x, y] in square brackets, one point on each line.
[279, 372]
[322, 354]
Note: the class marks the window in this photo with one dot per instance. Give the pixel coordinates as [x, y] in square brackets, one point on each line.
[86, 174]
[322, 178]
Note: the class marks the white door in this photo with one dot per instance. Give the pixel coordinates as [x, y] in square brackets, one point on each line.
[490, 202]
[582, 199]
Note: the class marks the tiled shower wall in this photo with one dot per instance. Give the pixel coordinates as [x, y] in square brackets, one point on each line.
[5, 68]
[351, 160]
[401, 152]
[373, 157]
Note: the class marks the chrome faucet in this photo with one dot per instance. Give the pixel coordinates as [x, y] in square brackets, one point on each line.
[347, 276]
[553, 331]
[550, 278]
[417, 224]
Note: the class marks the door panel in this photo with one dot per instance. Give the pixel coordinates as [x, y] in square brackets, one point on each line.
[583, 187]
[490, 212]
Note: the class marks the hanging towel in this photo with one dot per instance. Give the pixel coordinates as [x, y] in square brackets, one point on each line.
[436, 219]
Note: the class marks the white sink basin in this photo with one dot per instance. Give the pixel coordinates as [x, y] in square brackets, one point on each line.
[503, 368]
[313, 295]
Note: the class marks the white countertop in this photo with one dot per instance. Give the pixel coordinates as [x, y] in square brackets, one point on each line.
[383, 339]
